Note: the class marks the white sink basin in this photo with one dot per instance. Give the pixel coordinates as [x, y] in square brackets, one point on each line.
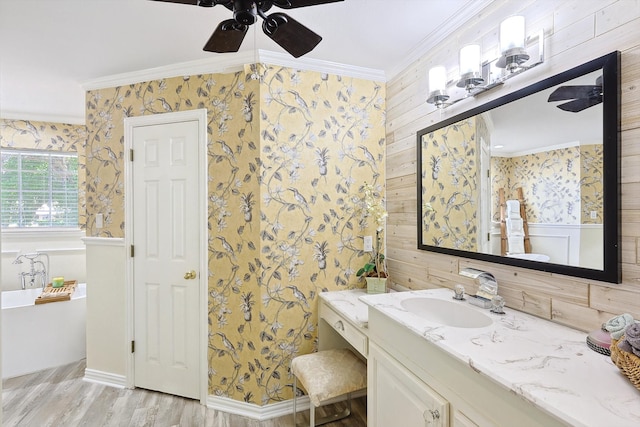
[447, 313]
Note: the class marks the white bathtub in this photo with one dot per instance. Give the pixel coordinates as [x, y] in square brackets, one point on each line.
[36, 337]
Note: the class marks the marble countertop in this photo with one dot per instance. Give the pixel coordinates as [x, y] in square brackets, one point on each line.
[548, 364]
[347, 303]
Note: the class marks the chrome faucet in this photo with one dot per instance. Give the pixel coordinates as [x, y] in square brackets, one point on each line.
[487, 294]
[488, 288]
[37, 269]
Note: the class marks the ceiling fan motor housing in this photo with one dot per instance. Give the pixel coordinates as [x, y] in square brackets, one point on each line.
[245, 12]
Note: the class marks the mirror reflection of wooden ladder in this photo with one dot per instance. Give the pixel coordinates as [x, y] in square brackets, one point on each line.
[503, 221]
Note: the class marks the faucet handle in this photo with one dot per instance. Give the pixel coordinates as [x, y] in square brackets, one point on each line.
[497, 304]
[458, 292]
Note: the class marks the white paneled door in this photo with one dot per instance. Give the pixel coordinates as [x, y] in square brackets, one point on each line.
[166, 245]
[485, 198]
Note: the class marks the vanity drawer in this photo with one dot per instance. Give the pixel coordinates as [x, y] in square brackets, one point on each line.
[346, 329]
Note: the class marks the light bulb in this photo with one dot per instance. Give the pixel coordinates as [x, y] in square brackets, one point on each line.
[512, 33]
[437, 79]
[438, 86]
[470, 59]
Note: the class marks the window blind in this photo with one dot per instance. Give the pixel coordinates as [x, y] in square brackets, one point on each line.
[39, 189]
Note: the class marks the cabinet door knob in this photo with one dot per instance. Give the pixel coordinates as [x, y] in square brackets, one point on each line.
[431, 415]
[339, 325]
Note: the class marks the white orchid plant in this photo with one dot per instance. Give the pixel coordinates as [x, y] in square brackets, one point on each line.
[372, 207]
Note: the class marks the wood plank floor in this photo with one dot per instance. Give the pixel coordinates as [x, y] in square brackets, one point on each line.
[60, 398]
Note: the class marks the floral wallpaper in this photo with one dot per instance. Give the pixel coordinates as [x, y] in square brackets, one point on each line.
[289, 152]
[24, 134]
[561, 186]
[449, 185]
[591, 190]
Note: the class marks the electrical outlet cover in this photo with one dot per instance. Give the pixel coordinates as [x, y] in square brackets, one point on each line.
[368, 243]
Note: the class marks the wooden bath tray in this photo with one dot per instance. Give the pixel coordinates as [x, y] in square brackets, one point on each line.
[64, 292]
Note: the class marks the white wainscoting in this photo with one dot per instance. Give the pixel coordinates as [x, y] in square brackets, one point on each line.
[568, 244]
[106, 342]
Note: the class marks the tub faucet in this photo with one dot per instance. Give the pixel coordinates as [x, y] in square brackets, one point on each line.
[37, 269]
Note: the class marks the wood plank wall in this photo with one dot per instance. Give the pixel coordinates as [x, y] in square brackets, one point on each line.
[575, 32]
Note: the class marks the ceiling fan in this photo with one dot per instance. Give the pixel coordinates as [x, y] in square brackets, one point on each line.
[581, 97]
[291, 35]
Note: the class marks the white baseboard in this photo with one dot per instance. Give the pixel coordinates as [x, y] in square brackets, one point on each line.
[225, 404]
[105, 378]
[267, 412]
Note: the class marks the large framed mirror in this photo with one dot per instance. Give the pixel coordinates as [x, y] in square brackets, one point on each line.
[531, 179]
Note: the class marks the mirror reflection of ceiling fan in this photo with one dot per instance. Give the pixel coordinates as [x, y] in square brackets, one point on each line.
[291, 35]
[580, 97]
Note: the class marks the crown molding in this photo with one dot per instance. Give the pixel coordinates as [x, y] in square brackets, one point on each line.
[309, 64]
[431, 41]
[536, 150]
[232, 62]
[39, 117]
[215, 64]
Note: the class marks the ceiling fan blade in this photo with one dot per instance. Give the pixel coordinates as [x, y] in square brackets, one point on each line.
[193, 2]
[227, 37]
[203, 3]
[574, 92]
[291, 35]
[290, 4]
[579, 104]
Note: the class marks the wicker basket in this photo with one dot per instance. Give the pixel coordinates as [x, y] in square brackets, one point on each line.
[627, 362]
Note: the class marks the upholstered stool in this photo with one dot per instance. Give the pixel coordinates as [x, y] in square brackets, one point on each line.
[325, 375]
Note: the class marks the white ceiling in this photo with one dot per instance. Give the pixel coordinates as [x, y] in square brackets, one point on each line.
[532, 124]
[50, 48]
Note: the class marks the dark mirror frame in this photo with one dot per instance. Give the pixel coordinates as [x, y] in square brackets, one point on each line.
[610, 66]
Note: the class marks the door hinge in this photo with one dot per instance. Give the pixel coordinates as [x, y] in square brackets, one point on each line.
[131, 154]
[131, 252]
[488, 237]
[133, 346]
[488, 170]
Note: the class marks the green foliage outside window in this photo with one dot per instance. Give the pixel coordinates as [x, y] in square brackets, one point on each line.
[38, 189]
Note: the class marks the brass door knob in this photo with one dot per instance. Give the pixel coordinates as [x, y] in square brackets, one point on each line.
[189, 275]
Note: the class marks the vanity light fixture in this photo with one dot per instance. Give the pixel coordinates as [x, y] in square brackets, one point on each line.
[518, 53]
[470, 76]
[438, 86]
[512, 44]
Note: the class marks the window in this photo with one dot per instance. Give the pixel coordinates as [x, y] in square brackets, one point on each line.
[39, 189]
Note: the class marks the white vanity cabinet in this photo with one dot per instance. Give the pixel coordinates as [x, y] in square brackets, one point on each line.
[461, 420]
[396, 397]
[410, 380]
[343, 321]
